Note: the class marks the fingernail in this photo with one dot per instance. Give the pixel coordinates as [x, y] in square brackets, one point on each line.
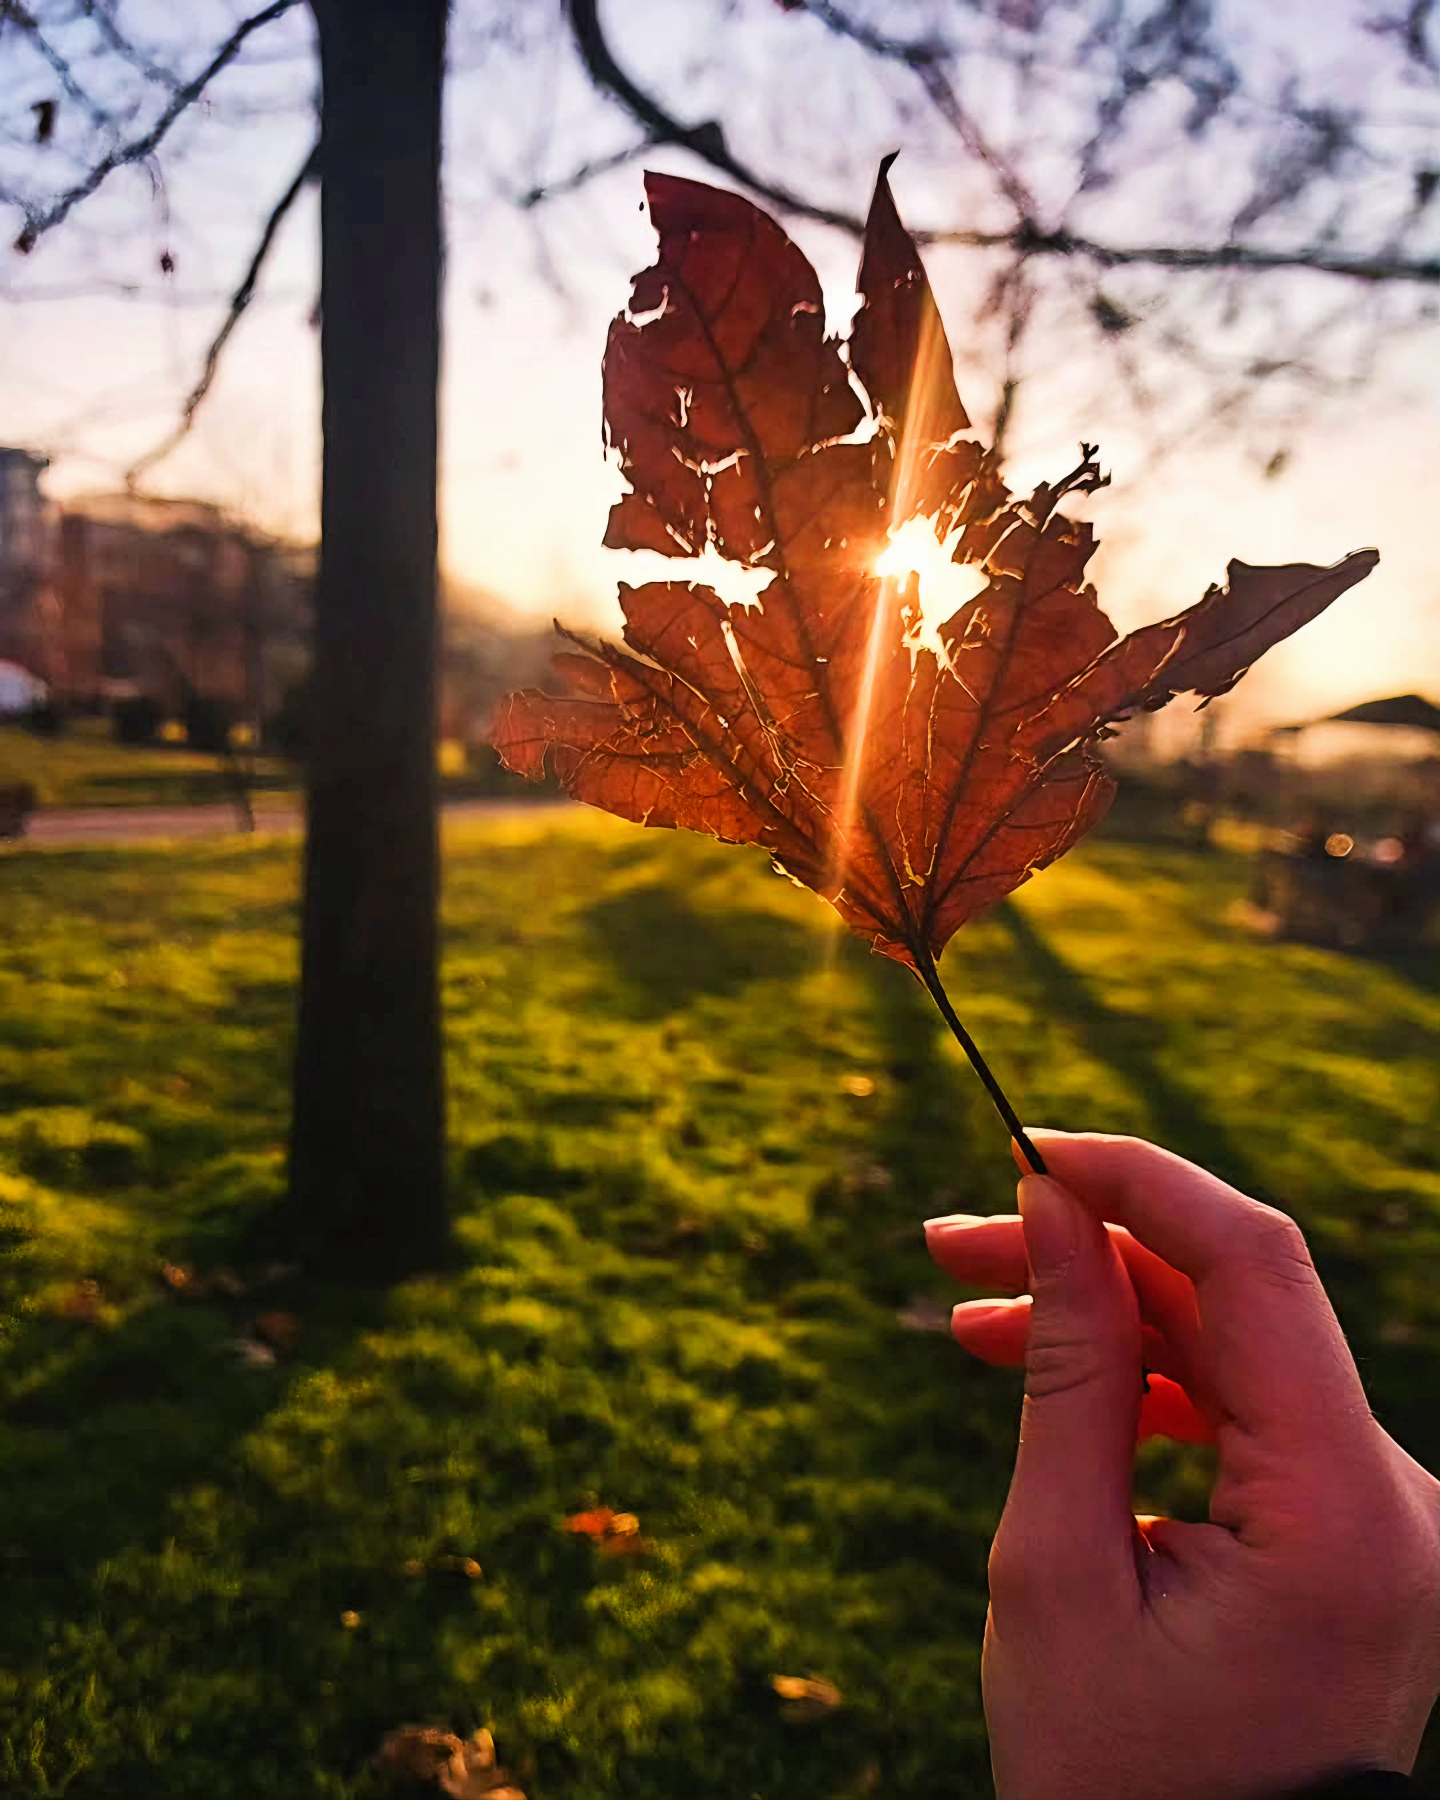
[952, 1222]
[1053, 1224]
[980, 1313]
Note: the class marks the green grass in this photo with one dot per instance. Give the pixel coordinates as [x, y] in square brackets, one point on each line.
[682, 1243]
[84, 766]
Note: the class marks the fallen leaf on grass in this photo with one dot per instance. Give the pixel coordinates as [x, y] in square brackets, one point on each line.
[613, 1533]
[806, 1697]
[630, 1545]
[253, 1353]
[81, 1301]
[594, 1523]
[352, 1621]
[464, 1768]
[181, 1280]
[278, 1329]
[458, 1565]
[1400, 1331]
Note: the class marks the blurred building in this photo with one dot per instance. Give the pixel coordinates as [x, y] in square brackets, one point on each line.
[116, 593]
[28, 604]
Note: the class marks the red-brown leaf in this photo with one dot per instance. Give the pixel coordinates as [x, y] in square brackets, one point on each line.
[910, 789]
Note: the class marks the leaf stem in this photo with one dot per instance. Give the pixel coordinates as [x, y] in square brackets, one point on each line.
[930, 975]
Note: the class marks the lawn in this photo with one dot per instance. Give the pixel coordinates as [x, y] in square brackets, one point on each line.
[694, 1134]
[84, 766]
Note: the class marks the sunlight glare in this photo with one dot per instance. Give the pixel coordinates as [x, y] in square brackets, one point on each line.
[944, 586]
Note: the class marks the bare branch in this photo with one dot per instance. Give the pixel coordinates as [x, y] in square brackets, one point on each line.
[1025, 240]
[706, 140]
[1237, 256]
[29, 25]
[926, 59]
[239, 301]
[577, 178]
[138, 149]
[1412, 28]
[99, 11]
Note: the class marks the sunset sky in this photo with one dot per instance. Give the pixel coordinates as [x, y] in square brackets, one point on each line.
[93, 375]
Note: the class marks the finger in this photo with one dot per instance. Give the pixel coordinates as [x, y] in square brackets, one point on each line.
[1066, 1528]
[990, 1252]
[985, 1252]
[1275, 1357]
[997, 1331]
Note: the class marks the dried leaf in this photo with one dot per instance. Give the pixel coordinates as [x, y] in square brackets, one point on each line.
[253, 1353]
[278, 1329]
[614, 1533]
[631, 1544]
[911, 777]
[419, 1751]
[594, 1523]
[806, 1697]
[80, 1301]
[459, 1565]
[465, 1769]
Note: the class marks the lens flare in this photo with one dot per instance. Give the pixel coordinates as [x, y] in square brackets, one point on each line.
[913, 558]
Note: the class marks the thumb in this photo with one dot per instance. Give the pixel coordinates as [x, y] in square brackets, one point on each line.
[1068, 1513]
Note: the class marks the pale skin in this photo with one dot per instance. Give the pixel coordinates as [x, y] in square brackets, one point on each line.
[1294, 1637]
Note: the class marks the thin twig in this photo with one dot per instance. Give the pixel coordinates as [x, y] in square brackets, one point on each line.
[30, 25]
[138, 149]
[239, 300]
[930, 975]
[926, 59]
[98, 12]
[707, 141]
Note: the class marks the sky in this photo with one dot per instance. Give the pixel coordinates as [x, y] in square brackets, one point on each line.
[98, 348]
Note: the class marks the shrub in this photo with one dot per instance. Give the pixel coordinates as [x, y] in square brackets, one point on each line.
[288, 728]
[136, 719]
[207, 723]
[44, 718]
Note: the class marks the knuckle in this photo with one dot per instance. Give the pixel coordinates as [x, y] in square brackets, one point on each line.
[1276, 1243]
[1061, 1363]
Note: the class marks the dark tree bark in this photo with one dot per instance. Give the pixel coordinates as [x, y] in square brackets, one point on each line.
[367, 1189]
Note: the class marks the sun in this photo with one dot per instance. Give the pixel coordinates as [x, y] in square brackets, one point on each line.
[913, 549]
[944, 585]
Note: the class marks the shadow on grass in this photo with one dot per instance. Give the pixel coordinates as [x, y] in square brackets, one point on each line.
[103, 1426]
[668, 953]
[1131, 1045]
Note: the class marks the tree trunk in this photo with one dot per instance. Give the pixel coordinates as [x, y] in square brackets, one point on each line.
[367, 1189]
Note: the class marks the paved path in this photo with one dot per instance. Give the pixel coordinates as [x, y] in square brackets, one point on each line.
[135, 824]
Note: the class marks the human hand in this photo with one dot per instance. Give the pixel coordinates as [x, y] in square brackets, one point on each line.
[1295, 1636]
